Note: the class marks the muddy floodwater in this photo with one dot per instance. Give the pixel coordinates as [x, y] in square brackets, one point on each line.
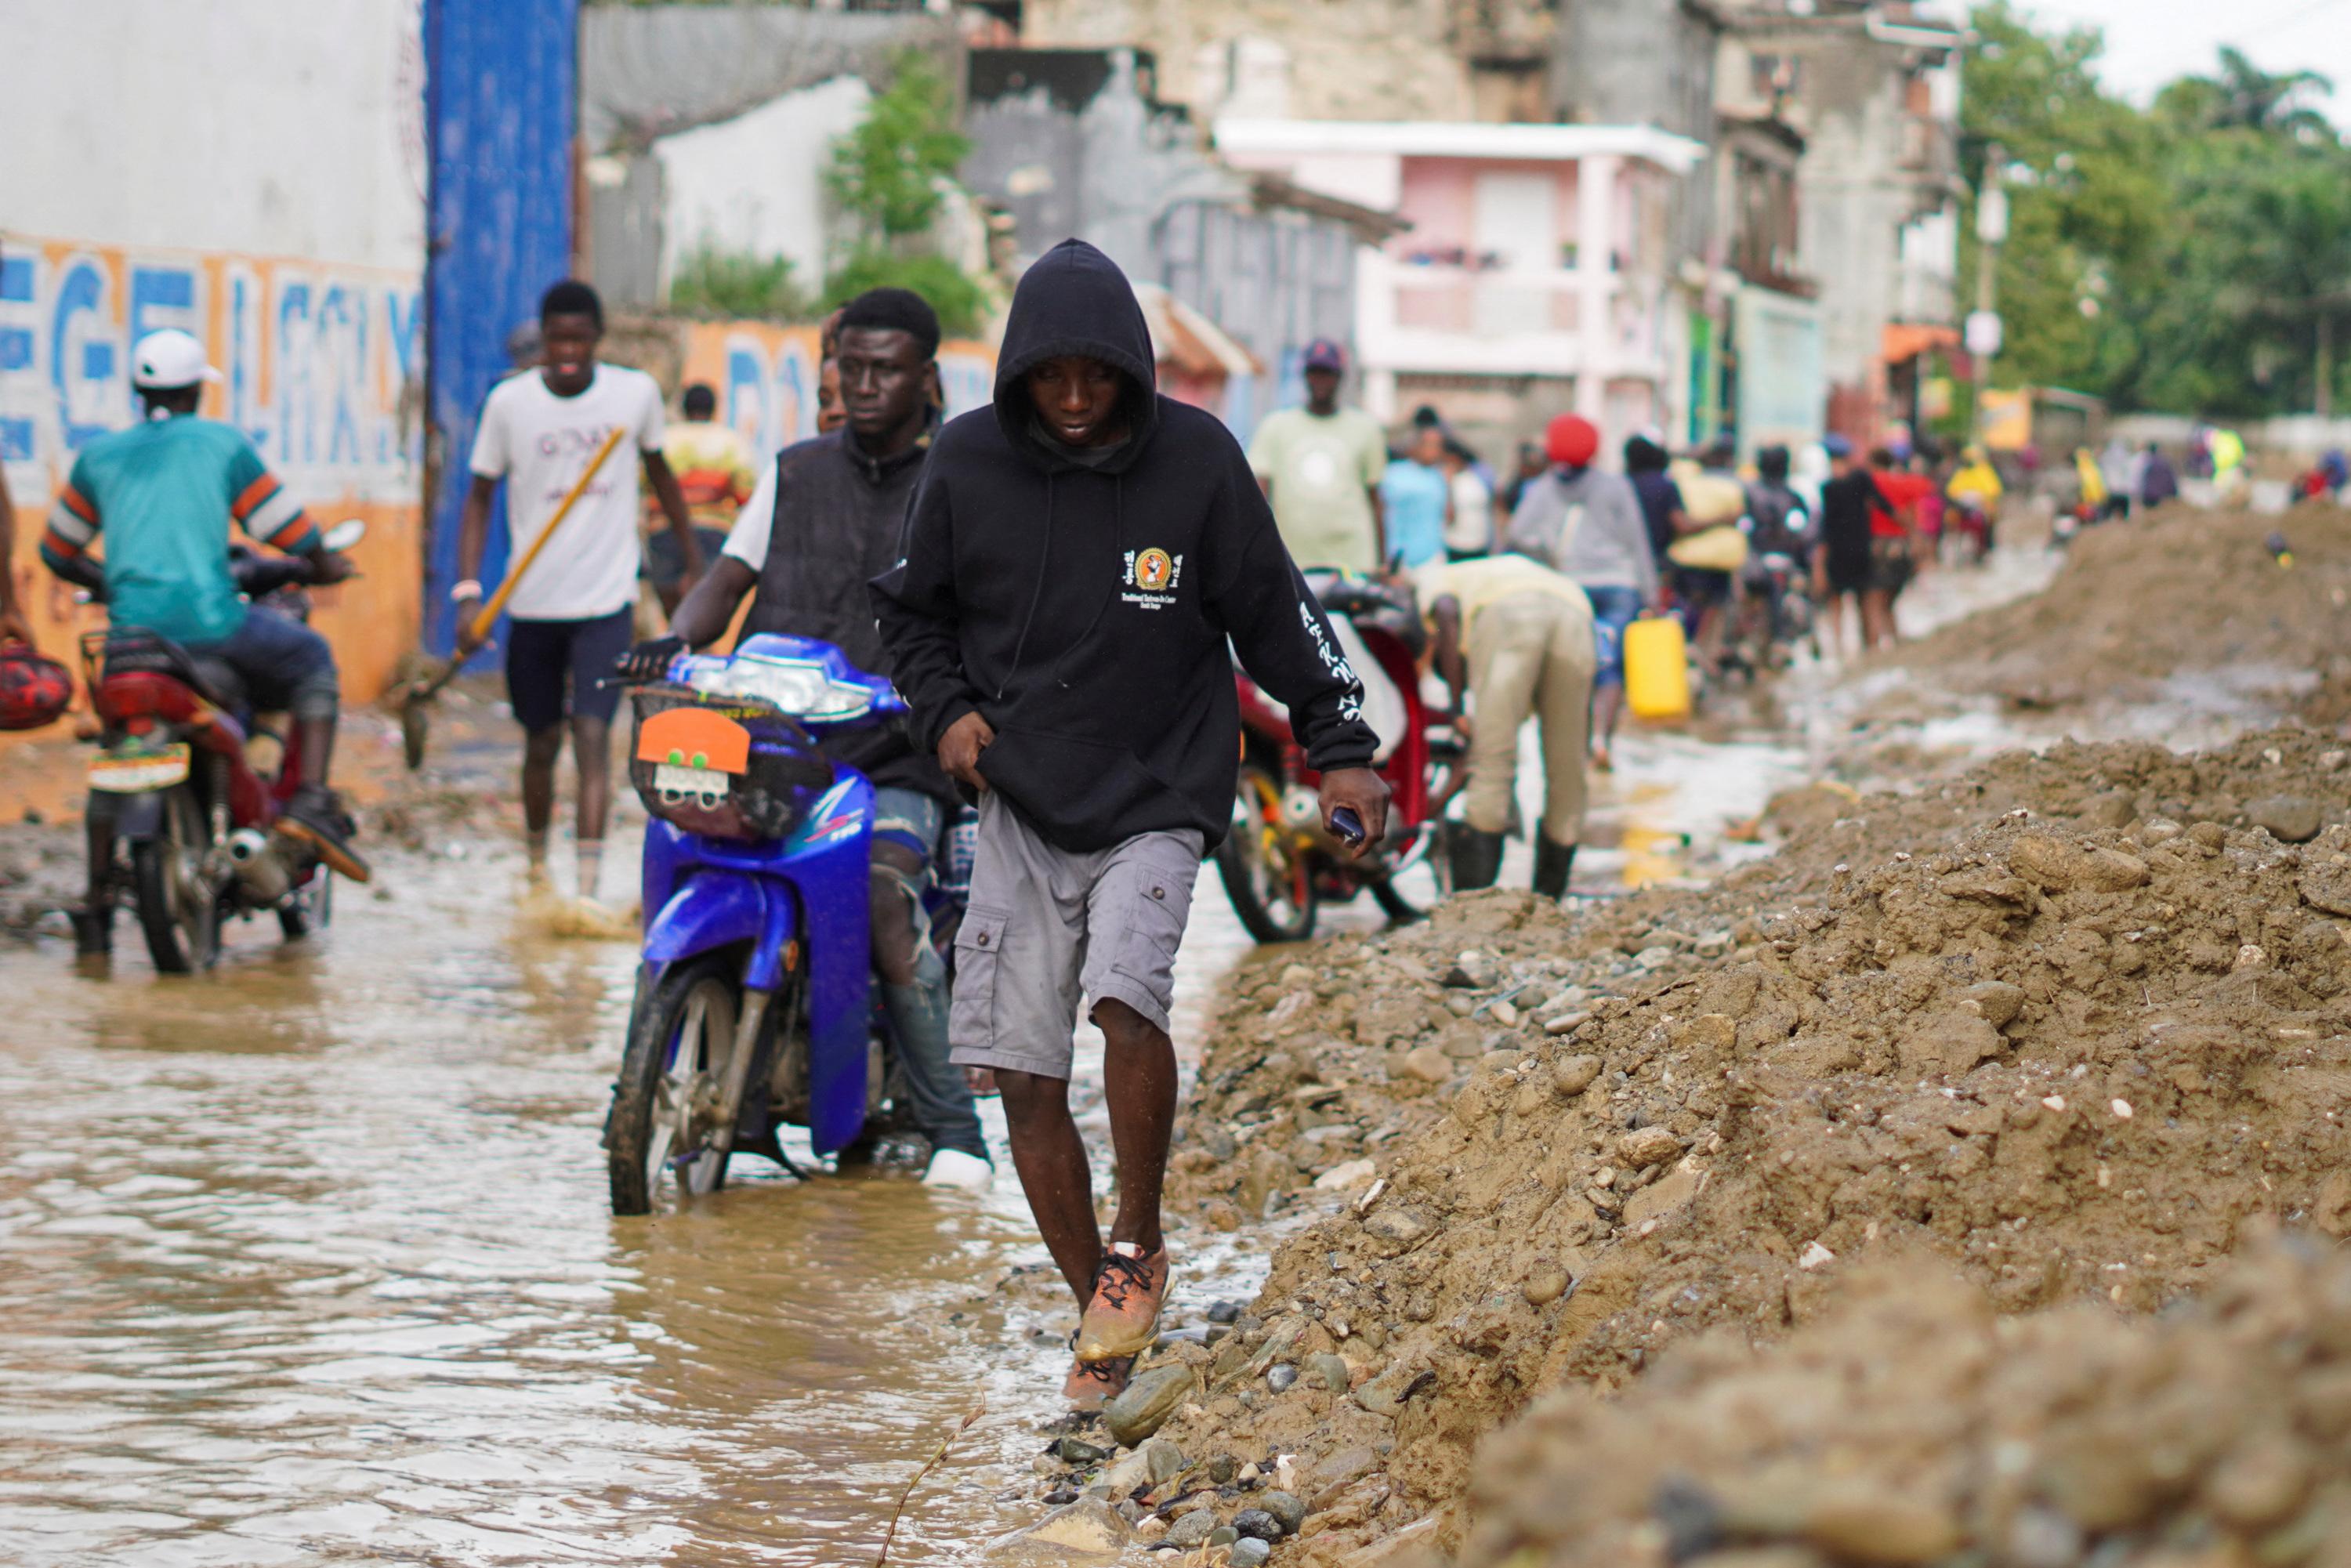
[308, 1261]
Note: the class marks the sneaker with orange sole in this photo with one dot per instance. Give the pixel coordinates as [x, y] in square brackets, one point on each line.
[1095, 1384]
[1123, 1317]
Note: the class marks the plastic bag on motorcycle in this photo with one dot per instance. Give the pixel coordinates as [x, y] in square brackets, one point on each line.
[33, 691]
[725, 768]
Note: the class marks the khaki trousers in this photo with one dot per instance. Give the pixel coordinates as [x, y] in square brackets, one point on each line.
[1531, 656]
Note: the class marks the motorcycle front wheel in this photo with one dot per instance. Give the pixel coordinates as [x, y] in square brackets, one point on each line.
[1264, 874]
[665, 1117]
[179, 909]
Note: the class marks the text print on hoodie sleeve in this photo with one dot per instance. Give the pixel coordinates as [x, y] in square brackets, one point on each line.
[1283, 638]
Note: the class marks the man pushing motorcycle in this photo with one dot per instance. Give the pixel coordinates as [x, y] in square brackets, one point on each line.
[163, 494]
[824, 520]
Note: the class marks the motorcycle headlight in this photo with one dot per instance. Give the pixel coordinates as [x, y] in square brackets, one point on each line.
[798, 687]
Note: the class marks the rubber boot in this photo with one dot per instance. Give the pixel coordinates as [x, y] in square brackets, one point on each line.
[93, 930]
[1476, 857]
[1553, 862]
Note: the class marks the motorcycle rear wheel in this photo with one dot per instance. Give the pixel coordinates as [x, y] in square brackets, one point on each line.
[179, 909]
[1266, 877]
[664, 1105]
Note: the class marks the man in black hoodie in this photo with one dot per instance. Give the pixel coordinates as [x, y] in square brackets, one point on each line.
[1075, 562]
[821, 524]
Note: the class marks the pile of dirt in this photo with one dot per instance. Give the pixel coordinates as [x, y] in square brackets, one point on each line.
[2140, 602]
[1911, 1425]
[2070, 1021]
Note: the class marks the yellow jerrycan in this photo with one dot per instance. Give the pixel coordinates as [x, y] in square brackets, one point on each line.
[1656, 668]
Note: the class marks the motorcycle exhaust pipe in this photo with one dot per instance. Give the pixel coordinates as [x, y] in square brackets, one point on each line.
[257, 865]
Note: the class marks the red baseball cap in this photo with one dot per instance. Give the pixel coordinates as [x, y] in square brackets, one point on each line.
[1572, 441]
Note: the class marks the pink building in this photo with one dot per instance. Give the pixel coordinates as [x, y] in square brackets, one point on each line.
[1535, 277]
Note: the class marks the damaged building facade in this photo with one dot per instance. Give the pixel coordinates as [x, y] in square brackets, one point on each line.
[1702, 218]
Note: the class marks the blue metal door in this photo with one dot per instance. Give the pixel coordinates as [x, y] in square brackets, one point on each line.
[501, 108]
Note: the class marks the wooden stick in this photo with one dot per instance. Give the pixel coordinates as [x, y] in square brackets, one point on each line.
[928, 1465]
[488, 615]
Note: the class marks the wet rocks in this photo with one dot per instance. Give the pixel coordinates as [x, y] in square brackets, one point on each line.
[1399, 1225]
[1329, 1371]
[1147, 1402]
[1572, 1075]
[1473, 970]
[2290, 819]
[1288, 1510]
[1546, 1283]
[2202, 1425]
[1162, 1461]
[1949, 1042]
[1346, 1176]
[1077, 1451]
[1085, 1529]
[1646, 1147]
[1995, 1001]
[1190, 1530]
[2058, 866]
[1257, 1524]
[1428, 1064]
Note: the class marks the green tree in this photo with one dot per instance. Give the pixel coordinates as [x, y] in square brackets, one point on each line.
[888, 178]
[2245, 96]
[2085, 200]
[2194, 257]
[712, 281]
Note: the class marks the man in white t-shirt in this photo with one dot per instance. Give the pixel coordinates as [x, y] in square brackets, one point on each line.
[570, 615]
[1320, 467]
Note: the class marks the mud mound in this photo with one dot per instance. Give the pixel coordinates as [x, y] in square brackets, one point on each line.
[2185, 591]
[1910, 1425]
[2071, 1046]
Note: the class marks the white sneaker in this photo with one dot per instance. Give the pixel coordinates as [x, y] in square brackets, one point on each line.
[962, 1172]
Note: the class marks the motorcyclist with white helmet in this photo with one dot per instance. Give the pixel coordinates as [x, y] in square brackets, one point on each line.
[163, 494]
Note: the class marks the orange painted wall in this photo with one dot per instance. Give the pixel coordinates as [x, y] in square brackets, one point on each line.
[323, 366]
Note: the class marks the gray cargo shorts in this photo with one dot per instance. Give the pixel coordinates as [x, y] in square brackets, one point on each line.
[1046, 926]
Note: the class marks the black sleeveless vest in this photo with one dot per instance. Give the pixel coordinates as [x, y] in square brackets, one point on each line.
[838, 516]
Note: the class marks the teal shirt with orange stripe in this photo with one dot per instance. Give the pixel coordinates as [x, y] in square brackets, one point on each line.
[163, 494]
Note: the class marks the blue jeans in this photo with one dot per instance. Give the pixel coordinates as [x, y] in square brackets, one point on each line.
[1613, 610]
[937, 1096]
[283, 666]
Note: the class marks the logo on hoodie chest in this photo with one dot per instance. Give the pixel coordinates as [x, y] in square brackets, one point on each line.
[1152, 576]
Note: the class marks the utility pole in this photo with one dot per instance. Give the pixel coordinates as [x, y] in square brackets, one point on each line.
[1984, 327]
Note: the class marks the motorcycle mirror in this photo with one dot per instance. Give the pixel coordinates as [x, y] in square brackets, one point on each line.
[345, 534]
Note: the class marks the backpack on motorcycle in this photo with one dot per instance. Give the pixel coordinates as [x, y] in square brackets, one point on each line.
[724, 766]
[33, 691]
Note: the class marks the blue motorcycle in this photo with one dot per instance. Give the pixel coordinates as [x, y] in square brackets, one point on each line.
[753, 1006]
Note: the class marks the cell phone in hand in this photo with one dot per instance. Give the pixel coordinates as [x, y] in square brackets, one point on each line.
[1347, 825]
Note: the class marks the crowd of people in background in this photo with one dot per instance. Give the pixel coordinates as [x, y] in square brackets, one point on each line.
[1722, 543]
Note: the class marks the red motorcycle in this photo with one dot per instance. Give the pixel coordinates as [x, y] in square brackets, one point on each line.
[193, 819]
[1279, 864]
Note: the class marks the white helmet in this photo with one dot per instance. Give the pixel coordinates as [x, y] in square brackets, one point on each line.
[169, 359]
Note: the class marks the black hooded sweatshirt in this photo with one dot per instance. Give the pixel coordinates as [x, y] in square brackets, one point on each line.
[1083, 610]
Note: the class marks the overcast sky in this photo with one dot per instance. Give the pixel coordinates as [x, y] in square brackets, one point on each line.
[2149, 42]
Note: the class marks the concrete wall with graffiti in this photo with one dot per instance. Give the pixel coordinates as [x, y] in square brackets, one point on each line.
[765, 378]
[281, 221]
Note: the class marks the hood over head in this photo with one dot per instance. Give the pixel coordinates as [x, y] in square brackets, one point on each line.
[1075, 300]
